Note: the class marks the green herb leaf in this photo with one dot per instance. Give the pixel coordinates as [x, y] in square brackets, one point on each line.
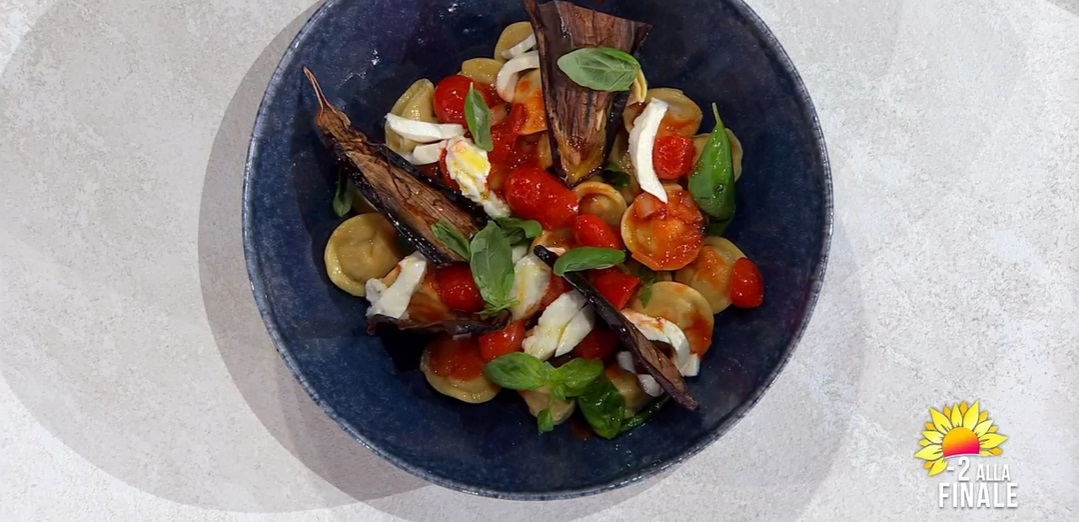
[644, 415]
[518, 230]
[478, 117]
[615, 177]
[718, 227]
[712, 182]
[518, 371]
[603, 407]
[572, 378]
[648, 278]
[586, 258]
[600, 68]
[545, 421]
[342, 196]
[492, 265]
[452, 238]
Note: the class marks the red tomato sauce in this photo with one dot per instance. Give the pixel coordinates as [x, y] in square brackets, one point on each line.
[457, 358]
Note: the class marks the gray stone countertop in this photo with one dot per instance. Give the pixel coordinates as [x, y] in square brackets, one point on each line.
[138, 382]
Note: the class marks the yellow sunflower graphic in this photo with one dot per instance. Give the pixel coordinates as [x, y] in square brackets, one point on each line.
[957, 430]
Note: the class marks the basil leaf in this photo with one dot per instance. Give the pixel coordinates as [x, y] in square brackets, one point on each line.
[615, 177]
[603, 407]
[478, 117]
[585, 258]
[572, 378]
[648, 278]
[518, 371]
[342, 196]
[645, 293]
[452, 238]
[600, 68]
[712, 182]
[545, 421]
[717, 227]
[518, 230]
[644, 415]
[492, 265]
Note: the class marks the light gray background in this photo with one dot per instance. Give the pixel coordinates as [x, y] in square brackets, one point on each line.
[139, 384]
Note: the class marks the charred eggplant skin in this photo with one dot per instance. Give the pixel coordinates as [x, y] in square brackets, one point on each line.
[411, 202]
[583, 122]
[658, 365]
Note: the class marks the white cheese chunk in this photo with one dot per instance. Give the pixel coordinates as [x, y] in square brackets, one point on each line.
[546, 338]
[664, 331]
[506, 81]
[530, 279]
[575, 331]
[427, 154]
[468, 165]
[521, 47]
[423, 132]
[647, 382]
[393, 301]
[518, 253]
[642, 140]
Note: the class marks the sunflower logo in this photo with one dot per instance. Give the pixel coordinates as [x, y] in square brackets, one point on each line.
[957, 430]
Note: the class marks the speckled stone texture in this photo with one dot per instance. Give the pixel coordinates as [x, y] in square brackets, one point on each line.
[139, 382]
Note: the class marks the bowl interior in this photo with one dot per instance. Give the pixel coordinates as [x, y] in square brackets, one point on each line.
[365, 55]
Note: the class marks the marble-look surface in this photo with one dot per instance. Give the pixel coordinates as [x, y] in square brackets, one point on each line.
[138, 382]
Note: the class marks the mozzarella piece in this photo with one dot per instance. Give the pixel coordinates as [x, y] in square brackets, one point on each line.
[521, 47]
[575, 331]
[506, 81]
[546, 338]
[530, 279]
[642, 140]
[648, 383]
[518, 253]
[423, 132]
[393, 301]
[468, 165]
[664, 331]
[426, 154]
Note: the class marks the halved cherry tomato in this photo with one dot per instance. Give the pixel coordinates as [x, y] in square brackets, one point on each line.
[747, 286]
[673, 156]
[615, 285]
[457, 289]
[498, 343]
[444, 174]
[533, 193]
[591, 230]
[598, 344]
[555, 288]
[455, 357]
[449, 98]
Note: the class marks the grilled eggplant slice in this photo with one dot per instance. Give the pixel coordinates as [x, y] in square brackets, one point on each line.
[658, 365]
[407, 198]
[583, 122]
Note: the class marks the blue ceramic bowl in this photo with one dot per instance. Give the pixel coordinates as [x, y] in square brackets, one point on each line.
[365, 53]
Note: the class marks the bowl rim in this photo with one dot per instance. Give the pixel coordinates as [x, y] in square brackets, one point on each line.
[258, 288]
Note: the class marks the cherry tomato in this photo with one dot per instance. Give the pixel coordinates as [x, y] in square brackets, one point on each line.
[616, 286]
[458, 358]
[598, 344]
[457, 289]
[533, 193]
[555, 288]
[747, 286]
[591, 230]
[673, 156]
[444, 174]
[507, 340]
[450, 95]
